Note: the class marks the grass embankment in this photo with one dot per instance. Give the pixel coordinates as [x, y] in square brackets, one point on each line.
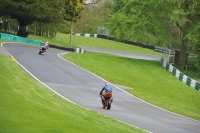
[26, 106]
[63, 40]
[148, 80]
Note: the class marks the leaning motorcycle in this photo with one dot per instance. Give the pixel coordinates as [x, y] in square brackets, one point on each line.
[42, 50]
[107, 100]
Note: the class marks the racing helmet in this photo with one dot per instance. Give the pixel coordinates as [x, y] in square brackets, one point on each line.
[107, 83]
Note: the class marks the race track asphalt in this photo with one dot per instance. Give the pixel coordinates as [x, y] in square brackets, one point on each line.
[82, 88]
[123, 54]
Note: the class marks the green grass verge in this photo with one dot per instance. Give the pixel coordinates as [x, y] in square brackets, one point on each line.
[148, 80]
[26, 106]
[54, 41]
[63, 40]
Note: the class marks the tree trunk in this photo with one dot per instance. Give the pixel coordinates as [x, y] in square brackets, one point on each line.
[41, 32]
[182, 56]
[71, 26]
[54, 34]
[35, 31]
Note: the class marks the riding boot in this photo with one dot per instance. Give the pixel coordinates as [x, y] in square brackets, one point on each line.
[103, 104]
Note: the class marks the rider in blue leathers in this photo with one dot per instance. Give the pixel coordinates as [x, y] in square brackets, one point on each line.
[106, 88]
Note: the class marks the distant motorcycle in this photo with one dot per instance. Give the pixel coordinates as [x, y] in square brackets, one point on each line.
[107, 101]
[43, 48]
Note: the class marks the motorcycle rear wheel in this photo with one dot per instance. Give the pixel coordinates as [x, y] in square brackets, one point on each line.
[108, 104]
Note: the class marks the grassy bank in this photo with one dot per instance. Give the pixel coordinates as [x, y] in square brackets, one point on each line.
[63, 40]
[27, 106]
[148, 80]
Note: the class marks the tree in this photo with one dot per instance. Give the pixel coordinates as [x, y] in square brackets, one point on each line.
[137, 17]
[93, 15]
[186, 17]
[73, 9]
[28, 11]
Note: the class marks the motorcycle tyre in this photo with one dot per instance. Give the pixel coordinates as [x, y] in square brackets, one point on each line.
[108, 106]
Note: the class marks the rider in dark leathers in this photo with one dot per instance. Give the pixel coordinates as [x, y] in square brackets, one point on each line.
[45, 46]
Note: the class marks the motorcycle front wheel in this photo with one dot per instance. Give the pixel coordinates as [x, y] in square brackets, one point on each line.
[40, 52]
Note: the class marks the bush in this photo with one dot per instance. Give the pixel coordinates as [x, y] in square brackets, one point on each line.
[193, 64]
[22, 33]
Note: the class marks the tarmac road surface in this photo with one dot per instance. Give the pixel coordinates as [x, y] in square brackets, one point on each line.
[124, 54]
[82, 88]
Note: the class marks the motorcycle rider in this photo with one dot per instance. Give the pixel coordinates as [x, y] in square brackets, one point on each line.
[45, 45]
[104, 90]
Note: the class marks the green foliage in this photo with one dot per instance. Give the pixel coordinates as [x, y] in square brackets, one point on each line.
[193, 64]
[90, 29]
[194, 44]
[72, 12]
[137, 18]
[62, 26]
[73, 9]
[28, 11]
[118, 5]
[92, 17]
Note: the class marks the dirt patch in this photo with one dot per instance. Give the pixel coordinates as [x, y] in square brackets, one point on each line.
[123, 87]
